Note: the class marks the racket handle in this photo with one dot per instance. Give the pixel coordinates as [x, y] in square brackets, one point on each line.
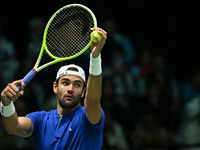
[28, 78]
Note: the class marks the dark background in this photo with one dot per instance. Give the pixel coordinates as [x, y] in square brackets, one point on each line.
[168, 26]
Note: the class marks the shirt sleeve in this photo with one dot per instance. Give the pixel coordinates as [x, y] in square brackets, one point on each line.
[95, 128]
[35, 118]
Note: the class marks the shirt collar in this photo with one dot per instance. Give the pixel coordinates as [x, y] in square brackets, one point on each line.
[69, 114]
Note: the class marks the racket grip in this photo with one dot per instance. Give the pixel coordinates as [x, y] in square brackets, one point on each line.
[28, 78]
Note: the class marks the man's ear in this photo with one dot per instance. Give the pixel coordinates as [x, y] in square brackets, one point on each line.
[55, 87]
[83, 92]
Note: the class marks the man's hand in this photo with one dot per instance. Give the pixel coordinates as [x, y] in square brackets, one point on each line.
[97, 47]
[12, 92]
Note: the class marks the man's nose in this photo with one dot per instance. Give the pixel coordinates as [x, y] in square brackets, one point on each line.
[70, 88]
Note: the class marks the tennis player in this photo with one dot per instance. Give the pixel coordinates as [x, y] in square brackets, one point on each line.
[70, 126]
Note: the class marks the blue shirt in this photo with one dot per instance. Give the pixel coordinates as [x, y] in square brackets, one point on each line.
[72, 132]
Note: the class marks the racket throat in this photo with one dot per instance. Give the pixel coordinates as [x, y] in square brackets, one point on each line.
[34, 71]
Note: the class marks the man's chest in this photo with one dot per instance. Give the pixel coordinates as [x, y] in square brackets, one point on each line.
[59, 134]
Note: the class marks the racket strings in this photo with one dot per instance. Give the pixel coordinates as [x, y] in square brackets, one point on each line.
[69, 32]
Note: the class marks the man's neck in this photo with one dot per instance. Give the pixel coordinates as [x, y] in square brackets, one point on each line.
[63, 111]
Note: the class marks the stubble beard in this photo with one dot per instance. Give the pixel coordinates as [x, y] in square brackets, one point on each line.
[71, 105]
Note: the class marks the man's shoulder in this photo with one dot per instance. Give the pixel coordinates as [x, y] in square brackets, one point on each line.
[41, 114]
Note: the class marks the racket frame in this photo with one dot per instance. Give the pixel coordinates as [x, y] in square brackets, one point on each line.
[44, 47]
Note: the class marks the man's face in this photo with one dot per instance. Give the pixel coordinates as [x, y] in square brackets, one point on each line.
[69, 90]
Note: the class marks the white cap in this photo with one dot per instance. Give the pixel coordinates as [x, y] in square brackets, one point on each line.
[64, 71]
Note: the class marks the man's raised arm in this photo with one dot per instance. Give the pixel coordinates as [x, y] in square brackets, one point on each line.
[93, 92]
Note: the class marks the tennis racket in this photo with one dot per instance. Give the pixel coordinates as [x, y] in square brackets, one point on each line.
[67, 35]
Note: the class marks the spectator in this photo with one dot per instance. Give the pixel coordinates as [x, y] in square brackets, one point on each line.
[8, 61]
[114, 135]
[190, 88]
[123, 85]
[36, 30]
[115, 37]
[189, 131]
[190, 127]
[141, 69]
[148, 134]
[170, 99]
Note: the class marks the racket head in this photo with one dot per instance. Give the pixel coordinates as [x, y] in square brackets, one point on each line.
[67, 34]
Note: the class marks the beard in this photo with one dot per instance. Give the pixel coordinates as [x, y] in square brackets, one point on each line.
[71, 105]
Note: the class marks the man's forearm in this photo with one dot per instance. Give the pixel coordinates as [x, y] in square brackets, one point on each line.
[10, 123]
[9, 115]
[21, 126]
[92, 99]
[94, 88]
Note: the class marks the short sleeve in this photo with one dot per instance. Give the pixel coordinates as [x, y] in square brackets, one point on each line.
[35, 118]
[95, 128]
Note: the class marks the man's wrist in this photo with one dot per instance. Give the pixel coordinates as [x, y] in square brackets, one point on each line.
[5, 100]
[95, 65]
[8, 110]
[95, 55]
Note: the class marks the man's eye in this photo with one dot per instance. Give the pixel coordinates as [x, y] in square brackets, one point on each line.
[65, 83]
[77, 85]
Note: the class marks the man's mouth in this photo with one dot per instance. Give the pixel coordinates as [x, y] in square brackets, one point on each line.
[69, 97]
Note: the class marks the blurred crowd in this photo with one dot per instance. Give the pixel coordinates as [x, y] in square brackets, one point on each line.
[146, 105]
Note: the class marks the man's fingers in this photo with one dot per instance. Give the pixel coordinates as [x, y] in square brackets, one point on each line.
[9, 95]
[102, 33]
[99, 30]
[12, 91]
[14, 94]
[97, 38]
[97, 47]
[22, 92]
[19, 82]
[15, 88]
